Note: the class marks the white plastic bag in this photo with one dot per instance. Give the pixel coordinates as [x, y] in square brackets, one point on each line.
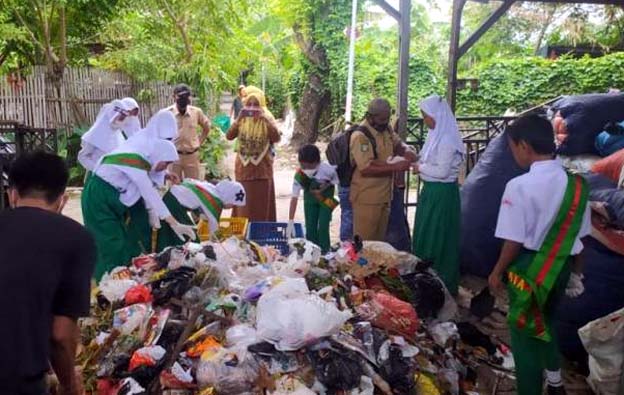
[604, 341]
[115, 290]
[290, 317]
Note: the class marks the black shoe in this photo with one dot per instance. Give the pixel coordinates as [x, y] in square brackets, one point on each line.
[550, 390]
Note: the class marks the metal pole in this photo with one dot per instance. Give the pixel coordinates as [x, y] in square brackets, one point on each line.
[351, 71]
[451, 88]
[263, 79]
[405, 8]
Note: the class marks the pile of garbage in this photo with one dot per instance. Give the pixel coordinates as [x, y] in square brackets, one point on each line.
[233, 317]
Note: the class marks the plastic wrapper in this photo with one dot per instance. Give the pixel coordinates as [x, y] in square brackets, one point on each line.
[389, 313]
[173, 284]
[200, 347]
[428, 296]
[287, 385]
[177, 378]
[146, 356]
[443, 332]
[604, 339]
[290, 317]
[138, 294]
[130, 318]
[226, 373]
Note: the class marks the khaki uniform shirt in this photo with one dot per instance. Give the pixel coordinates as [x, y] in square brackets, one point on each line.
[188, 139]
[371, 190]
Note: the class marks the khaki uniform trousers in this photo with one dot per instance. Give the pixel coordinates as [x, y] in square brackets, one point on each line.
[370, 221]
[187, 166]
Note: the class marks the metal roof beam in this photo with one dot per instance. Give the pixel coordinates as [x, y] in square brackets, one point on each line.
[390, 10]
[485, 26]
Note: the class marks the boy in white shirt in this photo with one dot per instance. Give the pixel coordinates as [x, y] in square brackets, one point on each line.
[317, 180]
[543, 215]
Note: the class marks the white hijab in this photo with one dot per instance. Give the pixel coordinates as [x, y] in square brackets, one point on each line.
[231, 192]
[155, 142]
[162, 125]
[131, 124]
[104, 134]
[446, 132]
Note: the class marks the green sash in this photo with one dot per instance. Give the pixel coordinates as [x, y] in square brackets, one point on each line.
[531, 287]
[128, 160]
[327, 199]
[209, 201]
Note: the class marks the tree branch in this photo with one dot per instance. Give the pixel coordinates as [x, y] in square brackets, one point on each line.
[181, 26]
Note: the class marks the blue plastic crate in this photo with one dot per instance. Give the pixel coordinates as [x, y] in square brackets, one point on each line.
[272, 234]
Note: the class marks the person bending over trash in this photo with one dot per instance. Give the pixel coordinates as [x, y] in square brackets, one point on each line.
[542, 218]
[318, 181]
[208, 199]
[121, 201]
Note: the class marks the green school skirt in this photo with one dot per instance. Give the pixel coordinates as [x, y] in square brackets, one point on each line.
[119, 231]
[166, 236]
[437, 230]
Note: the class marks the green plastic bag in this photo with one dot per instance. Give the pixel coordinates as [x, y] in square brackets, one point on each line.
[222, 121]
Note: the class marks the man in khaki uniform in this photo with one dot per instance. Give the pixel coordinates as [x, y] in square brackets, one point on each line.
[372, 181]
[188, 142]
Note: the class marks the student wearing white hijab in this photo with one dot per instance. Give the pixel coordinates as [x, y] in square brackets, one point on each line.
[437, 227]
[203, 198]
[121, 188]
[132, 123]
[104, 135]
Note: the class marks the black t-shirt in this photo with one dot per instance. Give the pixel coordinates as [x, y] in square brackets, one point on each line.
[46, 263]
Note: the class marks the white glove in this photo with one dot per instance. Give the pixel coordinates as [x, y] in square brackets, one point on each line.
[181, 230]
[290, 229]
[575, 286]
[154, 219]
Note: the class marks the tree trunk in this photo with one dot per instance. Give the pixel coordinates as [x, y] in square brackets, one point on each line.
[312, 104]
[315, 98]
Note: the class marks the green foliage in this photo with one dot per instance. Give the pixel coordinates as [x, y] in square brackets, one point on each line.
[522, 83]
[213, 152]
[68, 146]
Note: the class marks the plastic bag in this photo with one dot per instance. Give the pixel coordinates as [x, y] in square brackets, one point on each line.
[389, 313]
[443, 332]
[396, 368]
[290, 317]
[115, 290]
[337, 371]
[177, 378]
[428, 294]
[241, 336]
[138, 294]
[604, 341]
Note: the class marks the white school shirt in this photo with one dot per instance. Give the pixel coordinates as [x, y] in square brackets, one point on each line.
[326, 173]
[133, 185]
[530, 205]
[189, 199]
[442, 165]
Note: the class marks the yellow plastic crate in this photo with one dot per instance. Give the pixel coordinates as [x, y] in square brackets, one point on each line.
[235, 226]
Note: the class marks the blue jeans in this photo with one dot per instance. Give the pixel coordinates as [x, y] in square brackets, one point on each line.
[398, 233]
[346, 214]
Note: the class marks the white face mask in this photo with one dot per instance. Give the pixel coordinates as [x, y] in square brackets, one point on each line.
[310, 172]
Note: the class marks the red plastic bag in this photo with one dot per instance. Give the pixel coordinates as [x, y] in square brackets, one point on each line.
[390, 313]
[138, 294]
[611, 166]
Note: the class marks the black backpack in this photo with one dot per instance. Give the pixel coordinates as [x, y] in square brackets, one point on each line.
[338, 152]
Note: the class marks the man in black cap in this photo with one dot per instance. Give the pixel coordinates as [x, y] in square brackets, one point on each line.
[189, 118]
